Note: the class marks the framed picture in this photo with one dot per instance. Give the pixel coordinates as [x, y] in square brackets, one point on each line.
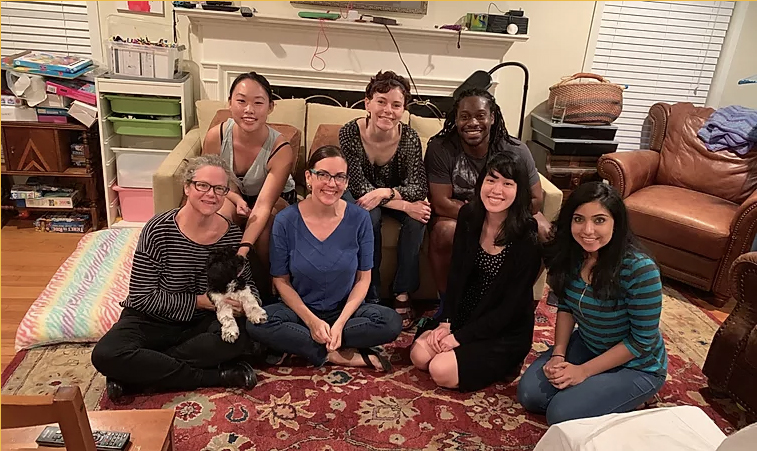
[141, 7]
[392, 7]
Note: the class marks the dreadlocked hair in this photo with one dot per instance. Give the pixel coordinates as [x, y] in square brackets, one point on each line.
[498, 130]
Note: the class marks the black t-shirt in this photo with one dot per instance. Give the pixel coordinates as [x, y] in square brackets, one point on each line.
[448, 164]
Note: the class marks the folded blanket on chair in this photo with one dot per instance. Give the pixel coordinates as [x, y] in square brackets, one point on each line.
[733, 128]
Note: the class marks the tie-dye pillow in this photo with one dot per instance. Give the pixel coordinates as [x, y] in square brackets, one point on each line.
[81, 301]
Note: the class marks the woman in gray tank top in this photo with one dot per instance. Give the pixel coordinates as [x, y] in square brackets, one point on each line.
[260, 158]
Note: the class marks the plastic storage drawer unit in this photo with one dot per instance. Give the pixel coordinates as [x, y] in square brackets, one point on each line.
[136, 203]
[149, 106]
[167, 128]
[135, 168]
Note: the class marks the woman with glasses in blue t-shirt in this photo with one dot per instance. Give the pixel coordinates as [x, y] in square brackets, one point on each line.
[321, 260]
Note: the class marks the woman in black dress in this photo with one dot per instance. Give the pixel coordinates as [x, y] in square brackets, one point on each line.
[488, 319]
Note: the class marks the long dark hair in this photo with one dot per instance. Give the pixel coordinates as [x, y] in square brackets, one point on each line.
[254, 76]
[519, 223]
[498, 130]
[564, 256]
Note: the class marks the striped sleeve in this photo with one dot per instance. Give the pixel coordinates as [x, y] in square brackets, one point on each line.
[145, 292]
[644, 307]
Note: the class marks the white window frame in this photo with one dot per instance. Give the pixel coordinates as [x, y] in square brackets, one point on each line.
[49, 26]
[631, 121]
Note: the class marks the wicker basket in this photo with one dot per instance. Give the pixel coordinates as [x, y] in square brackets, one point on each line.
[587, 103]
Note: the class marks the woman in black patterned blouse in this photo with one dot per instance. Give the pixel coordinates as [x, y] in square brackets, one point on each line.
[387, 177]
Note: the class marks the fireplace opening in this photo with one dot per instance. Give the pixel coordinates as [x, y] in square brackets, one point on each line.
[434, 106]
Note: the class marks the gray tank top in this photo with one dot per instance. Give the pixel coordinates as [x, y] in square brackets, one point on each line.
[252, 181]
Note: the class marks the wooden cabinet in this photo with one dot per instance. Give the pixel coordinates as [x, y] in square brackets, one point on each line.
[43, 150]
[566, 172]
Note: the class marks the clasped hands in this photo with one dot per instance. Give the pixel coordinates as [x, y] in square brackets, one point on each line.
[441, 339]
[331, 336]
[562, 374]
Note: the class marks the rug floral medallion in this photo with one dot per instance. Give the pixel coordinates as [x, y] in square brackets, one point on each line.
[298, 407]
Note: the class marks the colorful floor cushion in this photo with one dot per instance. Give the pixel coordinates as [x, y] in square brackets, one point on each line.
[81, 301]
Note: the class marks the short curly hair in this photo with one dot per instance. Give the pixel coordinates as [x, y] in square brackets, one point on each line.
[384, 82]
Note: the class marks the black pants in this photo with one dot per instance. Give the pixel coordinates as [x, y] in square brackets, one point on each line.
[143, 353]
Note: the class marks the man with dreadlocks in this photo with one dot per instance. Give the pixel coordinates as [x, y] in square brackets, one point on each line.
[473, 130]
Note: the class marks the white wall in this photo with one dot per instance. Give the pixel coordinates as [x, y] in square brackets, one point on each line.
[739, 60]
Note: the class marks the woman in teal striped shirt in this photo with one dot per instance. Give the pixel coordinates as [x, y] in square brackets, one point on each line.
[615, 359]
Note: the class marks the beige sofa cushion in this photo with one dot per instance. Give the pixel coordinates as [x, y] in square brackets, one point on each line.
[426, 127]
[287, 111]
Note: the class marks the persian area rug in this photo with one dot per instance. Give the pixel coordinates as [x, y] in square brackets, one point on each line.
[335, 408]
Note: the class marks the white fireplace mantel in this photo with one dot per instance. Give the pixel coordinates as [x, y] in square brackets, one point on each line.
[226, 44]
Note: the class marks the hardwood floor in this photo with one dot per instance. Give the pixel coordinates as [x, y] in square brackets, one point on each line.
[29, 260]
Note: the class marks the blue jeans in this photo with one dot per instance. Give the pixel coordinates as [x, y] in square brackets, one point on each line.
[370, 325]
[615, 391]
[407, 277]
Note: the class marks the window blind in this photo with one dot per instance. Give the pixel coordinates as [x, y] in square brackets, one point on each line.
[46, 26]
[662, 52]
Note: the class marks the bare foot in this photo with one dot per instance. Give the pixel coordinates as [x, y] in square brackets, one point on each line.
[350, 357]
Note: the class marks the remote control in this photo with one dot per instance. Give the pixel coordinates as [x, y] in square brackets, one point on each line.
[104, 440]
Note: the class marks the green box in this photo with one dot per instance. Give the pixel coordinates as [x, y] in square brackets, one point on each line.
[168, 128]
[476, 22]
[149, 106]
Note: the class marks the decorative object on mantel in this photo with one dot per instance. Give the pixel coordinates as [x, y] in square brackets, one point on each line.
[748, 80]
[155, 8]
[392, 7]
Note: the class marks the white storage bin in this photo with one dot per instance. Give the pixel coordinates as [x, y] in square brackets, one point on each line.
[135, 167]
[147, 61]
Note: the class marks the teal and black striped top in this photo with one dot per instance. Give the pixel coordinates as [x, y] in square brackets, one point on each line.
[634, 320]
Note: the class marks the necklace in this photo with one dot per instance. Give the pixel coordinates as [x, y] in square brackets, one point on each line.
[581, 299]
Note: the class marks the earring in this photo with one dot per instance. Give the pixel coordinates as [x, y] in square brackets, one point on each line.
[308, 185]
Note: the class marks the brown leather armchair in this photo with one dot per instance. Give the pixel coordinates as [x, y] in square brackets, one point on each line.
[731, 364]
[695, 210]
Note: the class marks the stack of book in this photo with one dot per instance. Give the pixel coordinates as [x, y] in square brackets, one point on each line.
[50, 64]
[63, 223]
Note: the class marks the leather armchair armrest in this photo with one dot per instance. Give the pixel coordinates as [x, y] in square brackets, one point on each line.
[629, 171]
[731, 339]
[744, 280]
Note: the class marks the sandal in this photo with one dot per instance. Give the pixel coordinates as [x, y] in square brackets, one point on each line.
[365, 353]
[409, 317]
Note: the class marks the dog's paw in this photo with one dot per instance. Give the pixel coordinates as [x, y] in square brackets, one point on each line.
[259, 317]
[229, 334]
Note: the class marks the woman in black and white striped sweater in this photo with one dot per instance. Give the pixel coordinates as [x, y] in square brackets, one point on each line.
[168, 337]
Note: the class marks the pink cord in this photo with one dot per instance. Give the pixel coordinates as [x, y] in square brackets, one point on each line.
[318, 45]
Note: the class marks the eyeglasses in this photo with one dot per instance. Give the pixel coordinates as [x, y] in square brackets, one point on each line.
[325, 177]
[204, 187]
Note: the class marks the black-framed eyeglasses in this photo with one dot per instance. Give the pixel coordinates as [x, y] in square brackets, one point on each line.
[325, 177]
[204, 187]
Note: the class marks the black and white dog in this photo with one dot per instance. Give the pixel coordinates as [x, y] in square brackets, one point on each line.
[225, 282]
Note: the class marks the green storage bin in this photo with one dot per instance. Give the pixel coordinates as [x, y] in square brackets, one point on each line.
[168, 128]
[149, 106]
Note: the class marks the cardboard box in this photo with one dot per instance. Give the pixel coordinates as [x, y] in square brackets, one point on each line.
[55, 101]
[83, 112]
[10, 100]
[18, 113]
[55, 200]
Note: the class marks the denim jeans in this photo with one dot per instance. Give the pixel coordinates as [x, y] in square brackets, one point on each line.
[370, 325]
[614, 391]
[407, 277]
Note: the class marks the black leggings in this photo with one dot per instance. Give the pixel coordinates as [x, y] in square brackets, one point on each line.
[144, 353]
